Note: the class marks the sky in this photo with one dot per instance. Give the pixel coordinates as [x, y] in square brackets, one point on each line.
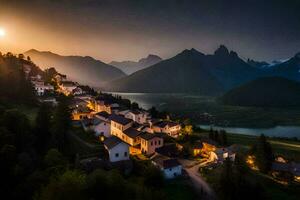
[130, 29]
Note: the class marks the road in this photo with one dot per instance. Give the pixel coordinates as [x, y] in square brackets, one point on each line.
[197, 180]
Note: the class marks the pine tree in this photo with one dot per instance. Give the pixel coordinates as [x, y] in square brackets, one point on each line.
[61, 124]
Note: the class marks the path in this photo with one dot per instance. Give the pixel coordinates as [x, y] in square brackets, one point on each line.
[192, 170]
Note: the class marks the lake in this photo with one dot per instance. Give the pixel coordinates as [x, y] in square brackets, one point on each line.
[280, 122]
[277, 131]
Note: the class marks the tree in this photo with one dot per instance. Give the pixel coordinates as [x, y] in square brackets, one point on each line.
[61, 124]
[153, 112]
[134, 106]
[223, 137]
[70, 185]
[28, 58]
[263, 154]
[42, 129]
[55, 160]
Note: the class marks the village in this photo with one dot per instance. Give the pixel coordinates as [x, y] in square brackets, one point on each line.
[129, 132]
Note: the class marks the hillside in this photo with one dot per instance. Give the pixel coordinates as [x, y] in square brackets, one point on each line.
[289, 69]
[130, 67]
[190, 72]
[85, 70]
[265, 92]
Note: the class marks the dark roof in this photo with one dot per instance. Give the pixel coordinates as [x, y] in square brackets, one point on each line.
[119, 119]
[170, 163]
[169, 150]
[131, 132]
[163, 124]
[103, 114]
[136, 112]
[148, 136]
[90, 122]
[165, 162]
[112, 141]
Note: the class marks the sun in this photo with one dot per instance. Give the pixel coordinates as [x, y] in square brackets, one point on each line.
[2, 32]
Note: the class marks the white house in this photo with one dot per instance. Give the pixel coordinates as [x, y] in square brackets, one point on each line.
[140, 117]
[168, 127]
[150, 142]
[170, 167]
[78, 91]
[221, 154]
[97, 125]
[117, 149]
[40, 87]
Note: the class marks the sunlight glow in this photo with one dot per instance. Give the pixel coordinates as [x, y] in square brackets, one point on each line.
[2, 32]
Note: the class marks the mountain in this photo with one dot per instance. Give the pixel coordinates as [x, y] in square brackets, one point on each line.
[289, 69]
[190, 71]
[265, 92]
[130, 67]
[85, 70]
[257, 64]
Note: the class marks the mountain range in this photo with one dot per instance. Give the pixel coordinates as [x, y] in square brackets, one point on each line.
[130, 67]
[190, 71]
[85, 70]
[187, 72]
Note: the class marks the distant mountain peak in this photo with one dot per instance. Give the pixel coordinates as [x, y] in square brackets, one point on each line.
[191, 51]
[222, 51]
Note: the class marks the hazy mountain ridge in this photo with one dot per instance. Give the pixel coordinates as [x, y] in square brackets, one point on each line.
[264, 92]
[289, 69]
[130, 67]
[190, 71]
[85, 70]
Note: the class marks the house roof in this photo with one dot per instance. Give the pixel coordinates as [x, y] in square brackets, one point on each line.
[103, 114]
[119, 119]
[136, 112]
[169, 150]
[163, 124]
[91, 122]
[148, 136]
[112, 141]
[165, 162]
[131, 132]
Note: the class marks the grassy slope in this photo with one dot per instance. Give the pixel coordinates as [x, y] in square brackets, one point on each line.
[274, 191]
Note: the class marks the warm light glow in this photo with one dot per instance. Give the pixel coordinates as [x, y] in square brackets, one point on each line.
[2, 32]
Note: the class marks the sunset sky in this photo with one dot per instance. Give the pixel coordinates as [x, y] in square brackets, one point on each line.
[128, 30]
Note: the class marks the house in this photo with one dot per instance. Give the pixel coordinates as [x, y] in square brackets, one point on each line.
[119, 124]
[131, 136]
[204, 147]
[221, 154]
[97, 125]
[103, 116]
[81, 112]
[281, 169]
[168, 127]
[67, 87]
[140, 117]
[150, 142]
[170, 167]
[78, 91]
[106, 105]
[41, 88]
[117, 149]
